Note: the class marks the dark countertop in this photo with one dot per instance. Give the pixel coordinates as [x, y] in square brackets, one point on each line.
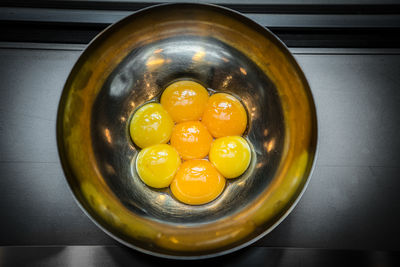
[350, 212]
[351, 202]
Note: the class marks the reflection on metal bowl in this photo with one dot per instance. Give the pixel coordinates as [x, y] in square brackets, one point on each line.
[130, 63]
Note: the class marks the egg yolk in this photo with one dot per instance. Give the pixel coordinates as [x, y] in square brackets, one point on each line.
[151, 125]
[191, 139]
[185, 100]
[157, 165]
[197, 182]
[224, 115]
[230, 155]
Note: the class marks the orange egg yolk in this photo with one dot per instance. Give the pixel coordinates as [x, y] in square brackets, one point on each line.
[224, 116]
[184, 100]
[197, 182]
[191, 139]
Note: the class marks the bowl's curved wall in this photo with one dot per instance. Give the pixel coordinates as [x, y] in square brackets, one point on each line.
[131, 62]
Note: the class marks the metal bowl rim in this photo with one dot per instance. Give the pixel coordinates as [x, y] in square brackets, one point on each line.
[259, 28]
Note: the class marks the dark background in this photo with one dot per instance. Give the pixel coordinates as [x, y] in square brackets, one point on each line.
[349, 214]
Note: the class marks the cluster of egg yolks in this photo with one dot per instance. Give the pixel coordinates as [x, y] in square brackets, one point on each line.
[224, 115]
[191, 139]
[198, 119]
[151, 125]
[185, 100]
[157, 165]
[230, 155]
[197, 182]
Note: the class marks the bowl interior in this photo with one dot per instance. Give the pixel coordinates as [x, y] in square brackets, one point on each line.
[130, 63]
[141, 76]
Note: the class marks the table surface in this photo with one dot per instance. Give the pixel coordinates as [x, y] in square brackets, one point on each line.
[348, 216]
[351, 202]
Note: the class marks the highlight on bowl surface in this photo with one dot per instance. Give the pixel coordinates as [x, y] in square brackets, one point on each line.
[191, 142]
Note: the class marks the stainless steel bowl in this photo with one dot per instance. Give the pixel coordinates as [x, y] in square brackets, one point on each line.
[130, 63]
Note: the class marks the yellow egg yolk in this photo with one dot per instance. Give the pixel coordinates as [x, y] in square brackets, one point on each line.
[157, 165]
[197, 182]
[224, 116]
[151, 125]
[184, 100]
[191, 139]
[230, 155]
